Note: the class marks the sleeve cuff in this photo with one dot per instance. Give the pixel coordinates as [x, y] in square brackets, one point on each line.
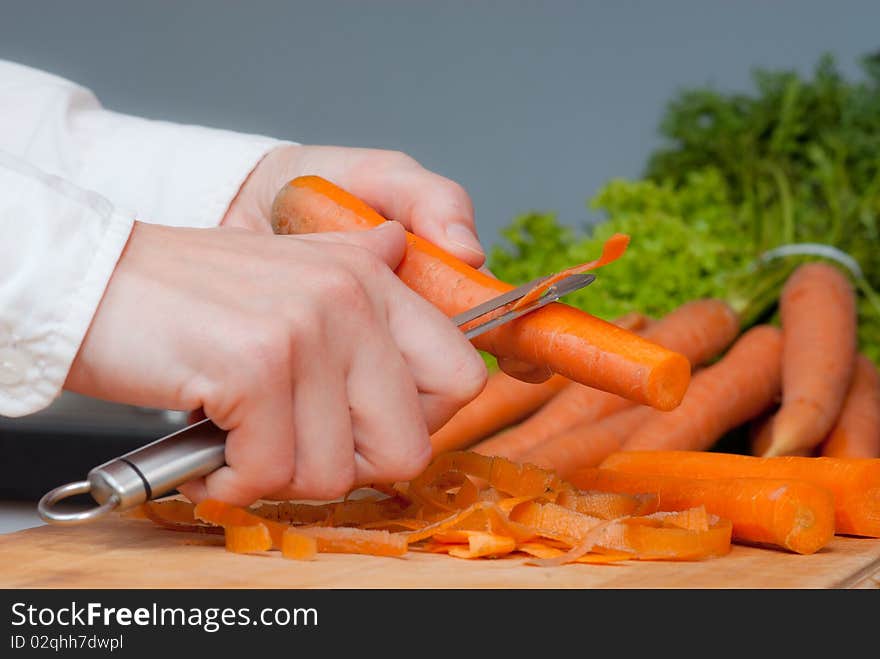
[57, 255]
[172, 174]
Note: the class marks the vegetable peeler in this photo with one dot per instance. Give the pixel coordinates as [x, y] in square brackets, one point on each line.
[159, 467]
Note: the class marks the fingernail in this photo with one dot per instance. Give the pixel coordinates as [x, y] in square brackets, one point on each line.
[388, 225]
[460, 235]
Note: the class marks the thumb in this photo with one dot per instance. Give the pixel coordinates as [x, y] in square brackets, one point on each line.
[387, 241]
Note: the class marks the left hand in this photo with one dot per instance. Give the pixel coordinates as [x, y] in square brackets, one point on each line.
[397, 186]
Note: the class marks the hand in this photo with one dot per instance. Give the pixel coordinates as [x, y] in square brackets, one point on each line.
[397, 186]
[327, 371]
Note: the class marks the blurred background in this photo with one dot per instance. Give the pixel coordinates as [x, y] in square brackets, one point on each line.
[529, 105]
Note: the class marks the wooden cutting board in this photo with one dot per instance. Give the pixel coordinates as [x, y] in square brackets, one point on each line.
[124, 553]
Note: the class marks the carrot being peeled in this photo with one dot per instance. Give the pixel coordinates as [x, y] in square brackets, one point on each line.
[857, 431]
[792, 514]
[699, 330]
[818, 311]
[570, 342]
[854, 483]
[506, 400]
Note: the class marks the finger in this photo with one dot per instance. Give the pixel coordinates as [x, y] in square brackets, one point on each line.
[524, 371]
[429, 205]
[391, 438]
[194, 490]
[447, 370]
[260, 444]
[325, 463]
[387, 241]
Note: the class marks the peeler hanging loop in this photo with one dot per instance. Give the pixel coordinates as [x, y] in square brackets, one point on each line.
[49, 514]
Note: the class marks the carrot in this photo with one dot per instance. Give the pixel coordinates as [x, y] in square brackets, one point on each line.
[686, 535]
[732, 391]
[612, 250]
[792, 514]
[857, 431]
[761, 434]
[471, 506]
[226, 515]
[554, 521]
[818, 311]
[570, 342]
[482, 543]
[247, 539]
[699, 330]
[360, 511]
[608, 505]
[503, 401]
[855, 483]
[345, 540]
[506, 400]
[298, 546]
[588, 445]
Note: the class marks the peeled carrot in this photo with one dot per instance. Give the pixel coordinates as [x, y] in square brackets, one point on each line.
[506, 400]
[248, 539]
[818, 311]
[298, 546]
[608, 505]
[740, 386]
[346, 540]
[587, 445]
[685, 535]
[792, 514]
[482, 543]
[570, 342]
[855, 483]
[699, 330]
[226, 515]
[553, 521]
[857, 431]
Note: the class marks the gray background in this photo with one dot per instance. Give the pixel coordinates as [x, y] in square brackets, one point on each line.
[530, 105]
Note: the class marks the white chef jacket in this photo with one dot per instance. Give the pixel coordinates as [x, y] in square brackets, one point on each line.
[73, 177]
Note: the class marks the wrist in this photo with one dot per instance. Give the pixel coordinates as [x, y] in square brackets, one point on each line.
[252, 206]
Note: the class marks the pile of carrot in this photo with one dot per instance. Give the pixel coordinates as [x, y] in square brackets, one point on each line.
[467, 506]
[803, 389]
[638, 505]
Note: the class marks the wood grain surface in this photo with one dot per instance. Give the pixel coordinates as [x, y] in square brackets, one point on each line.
[124, 553]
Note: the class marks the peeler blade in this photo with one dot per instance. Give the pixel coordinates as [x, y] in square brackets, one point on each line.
[559, 289]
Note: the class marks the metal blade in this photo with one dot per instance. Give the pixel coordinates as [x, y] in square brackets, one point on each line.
[564, 287]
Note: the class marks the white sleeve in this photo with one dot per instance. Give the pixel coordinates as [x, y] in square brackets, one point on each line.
[166, 173]
[58, 247]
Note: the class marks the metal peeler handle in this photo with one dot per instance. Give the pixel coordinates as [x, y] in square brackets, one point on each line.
[143, 474]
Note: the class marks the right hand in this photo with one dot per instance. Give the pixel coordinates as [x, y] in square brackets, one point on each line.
[324, 368]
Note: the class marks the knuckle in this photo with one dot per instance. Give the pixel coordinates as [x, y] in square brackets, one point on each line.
[341, 285]
[275, 478]
[325, 486]
[265, 347]
[366, 263]
[469, 377]
[410, 462]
